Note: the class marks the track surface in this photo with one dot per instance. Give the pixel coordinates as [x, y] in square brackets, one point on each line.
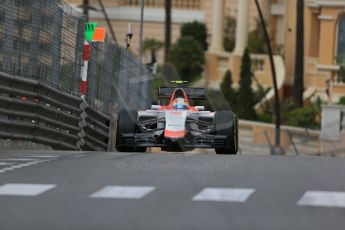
[65, 190]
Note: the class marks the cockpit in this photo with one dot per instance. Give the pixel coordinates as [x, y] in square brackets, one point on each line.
[179, 101]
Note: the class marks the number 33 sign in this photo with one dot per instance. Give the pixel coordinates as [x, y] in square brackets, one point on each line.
[93, 33]
[90, 28]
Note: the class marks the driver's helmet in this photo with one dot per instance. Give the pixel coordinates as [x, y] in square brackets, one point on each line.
[179, 103]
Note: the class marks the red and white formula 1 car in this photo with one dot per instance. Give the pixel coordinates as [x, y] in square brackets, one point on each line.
[178, 126]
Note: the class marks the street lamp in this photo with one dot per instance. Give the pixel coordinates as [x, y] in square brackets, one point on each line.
[276, 149]
[141, 32]
[142, 83]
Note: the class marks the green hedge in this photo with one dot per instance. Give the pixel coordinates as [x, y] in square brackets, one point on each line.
[264, 117]
[341, 101]
[304, 117]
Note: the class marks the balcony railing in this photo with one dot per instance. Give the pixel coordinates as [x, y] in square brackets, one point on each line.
[176, 4]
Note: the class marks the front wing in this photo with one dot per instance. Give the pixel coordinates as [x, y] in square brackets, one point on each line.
[204, 141]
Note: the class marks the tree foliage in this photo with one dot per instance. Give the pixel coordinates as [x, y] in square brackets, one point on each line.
[229, 34]
[246, 97]
[197, 30]
[256, 40]
[304, 117]
[227, 90]
[215, 101]
[187, 55]
[342, 101]
[153, 46]
[341, 74]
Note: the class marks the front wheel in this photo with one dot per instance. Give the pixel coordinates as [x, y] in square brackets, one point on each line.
[127, 124]
[226, 124]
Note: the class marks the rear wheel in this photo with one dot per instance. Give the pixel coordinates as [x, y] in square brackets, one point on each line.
[225, 123]
[127, 124]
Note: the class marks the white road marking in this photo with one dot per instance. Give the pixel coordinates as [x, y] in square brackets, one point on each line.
[123, 192]
[224, 194]
[25, 189]
[18, 166]
[5, 163]
[32, 163]
[323, 199]
[23, 165]
[42, 156]
[18, 159]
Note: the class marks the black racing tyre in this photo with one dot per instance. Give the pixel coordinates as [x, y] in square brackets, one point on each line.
[127, 123]
[140, 149]
[226, 123]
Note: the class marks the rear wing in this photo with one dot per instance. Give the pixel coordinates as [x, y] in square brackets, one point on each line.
[192, 93]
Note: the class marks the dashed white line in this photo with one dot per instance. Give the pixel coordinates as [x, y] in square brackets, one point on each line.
[32, 163]
[224, 194]
[123, 192]
[25, 189]
[17, 166]
[18, 159]
[323, 199]
[3, 170]
[28, 160]
[42, 156]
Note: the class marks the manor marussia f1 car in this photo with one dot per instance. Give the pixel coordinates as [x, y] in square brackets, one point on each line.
[177, 126]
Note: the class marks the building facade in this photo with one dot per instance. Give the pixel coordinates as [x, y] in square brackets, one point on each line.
[325, 45]
[123, 12]
[324, 36]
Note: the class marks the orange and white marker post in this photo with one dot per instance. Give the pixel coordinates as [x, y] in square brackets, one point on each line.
[84, 68]
[92, 34]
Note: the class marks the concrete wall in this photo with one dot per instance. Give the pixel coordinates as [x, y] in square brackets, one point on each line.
[256, 137]
[333, 129]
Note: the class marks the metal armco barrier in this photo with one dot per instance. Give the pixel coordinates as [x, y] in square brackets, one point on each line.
[96, 130]
[34, 111]
[43, 40]
[41, 49]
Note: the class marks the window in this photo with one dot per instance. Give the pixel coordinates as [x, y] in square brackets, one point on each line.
[341, 41]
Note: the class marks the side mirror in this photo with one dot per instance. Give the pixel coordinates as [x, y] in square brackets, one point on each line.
[200, 108]
[155, 107]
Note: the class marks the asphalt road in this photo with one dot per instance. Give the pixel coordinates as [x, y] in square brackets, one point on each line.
[49, 190]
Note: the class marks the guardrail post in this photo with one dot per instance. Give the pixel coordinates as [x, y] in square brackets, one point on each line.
[82, 125]
[112, 129]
